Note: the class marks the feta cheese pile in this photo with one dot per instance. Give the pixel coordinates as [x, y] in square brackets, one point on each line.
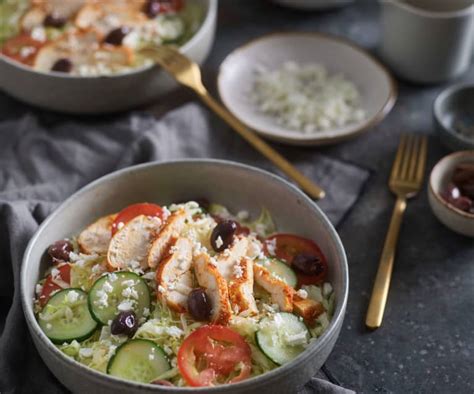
[306, 97]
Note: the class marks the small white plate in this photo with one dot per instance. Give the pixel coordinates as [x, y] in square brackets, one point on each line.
[236, 77]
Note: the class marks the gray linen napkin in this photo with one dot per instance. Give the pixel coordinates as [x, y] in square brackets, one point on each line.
[40, 167]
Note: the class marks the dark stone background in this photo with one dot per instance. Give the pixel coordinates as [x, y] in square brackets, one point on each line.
[426, 344]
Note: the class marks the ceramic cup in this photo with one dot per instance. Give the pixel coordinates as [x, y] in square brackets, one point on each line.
[427, 41]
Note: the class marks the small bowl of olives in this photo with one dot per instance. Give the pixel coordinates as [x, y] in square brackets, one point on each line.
[451, 192]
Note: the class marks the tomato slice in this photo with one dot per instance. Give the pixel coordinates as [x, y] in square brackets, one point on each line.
[50, 286]
[287, 246]
[22, 48]
[134, 210]
[214, 355]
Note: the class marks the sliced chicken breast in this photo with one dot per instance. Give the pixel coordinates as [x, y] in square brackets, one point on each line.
[171, 229]
[96, 237]
[215, 285]
[231, 256]
[307, 308]
[174, 277]
[241, 288]
[130, 245]
[280, 292]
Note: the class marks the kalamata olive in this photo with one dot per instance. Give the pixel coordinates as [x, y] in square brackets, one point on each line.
[199, 305]
[124, 323]
[60, 250]
[223, 234]
[53, 20]
[463, 203]
[161, 382]
[463, 178]
[307, 264]
[116, 36]
[62, 65]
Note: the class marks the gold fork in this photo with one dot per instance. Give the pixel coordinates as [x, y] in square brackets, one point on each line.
[187, 72]
[405, 181]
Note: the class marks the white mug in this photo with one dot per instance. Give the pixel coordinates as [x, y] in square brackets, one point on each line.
[427, 41]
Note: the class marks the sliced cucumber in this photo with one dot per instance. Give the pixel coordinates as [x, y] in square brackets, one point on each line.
[281, 270]
[116, 292]
[66, 317]
[140, 360]
[282, 337]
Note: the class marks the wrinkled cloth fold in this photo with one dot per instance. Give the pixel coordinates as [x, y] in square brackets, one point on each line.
[41, 166]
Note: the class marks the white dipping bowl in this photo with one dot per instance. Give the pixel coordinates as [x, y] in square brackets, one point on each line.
[236, 77]
[457, 220]
[101, 94]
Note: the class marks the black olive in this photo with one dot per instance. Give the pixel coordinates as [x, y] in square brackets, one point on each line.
[124, 323]
[307, 264]
[52, 20]
[116, 36]
[199, 305]
[62, 65]
[152, 8]
[223, 234]
[60, 250]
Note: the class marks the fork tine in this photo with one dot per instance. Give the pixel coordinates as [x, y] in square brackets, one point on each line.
[398, 158]
[406, 157]
[414, 158]
[420, 170]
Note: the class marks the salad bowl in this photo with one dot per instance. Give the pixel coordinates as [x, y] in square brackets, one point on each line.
[110, 93]
[223, 182]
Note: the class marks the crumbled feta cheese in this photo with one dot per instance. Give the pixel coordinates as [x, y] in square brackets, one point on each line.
[38, 289]
[167, 350]
[38, 33]
[327, 289]
[238, 271]
[125, 305]
[54, 272]
[307, 98]
[161, 289]
[113, 277]
[49, 326]
[108, 288]
[299, 338]
[130, 292]
[86, 352]
[151, 357]
[129, 282]
[278, 320]
[120, 225]
[302, 293]
[271, 246]
[103, 300]
[149, 275]
[72, 296]
[146, 311]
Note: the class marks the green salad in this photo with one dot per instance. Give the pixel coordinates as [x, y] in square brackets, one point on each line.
[186, 295]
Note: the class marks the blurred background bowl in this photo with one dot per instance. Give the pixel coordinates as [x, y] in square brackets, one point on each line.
[102, 94]
[454, 109]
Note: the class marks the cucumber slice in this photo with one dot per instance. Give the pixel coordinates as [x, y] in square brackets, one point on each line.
[282, 337]
[66, 317]
[140, 360]
[282, 271]
[116, 292]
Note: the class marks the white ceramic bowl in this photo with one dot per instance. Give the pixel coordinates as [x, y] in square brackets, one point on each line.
[313, 4]
[236, 77]
[231, 184]
[97, 95]
[457, 220]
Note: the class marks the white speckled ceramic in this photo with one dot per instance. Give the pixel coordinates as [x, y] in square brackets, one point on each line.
[457, 220]
[236, 77]
[427, 41]
[234, 185]
[97, 95]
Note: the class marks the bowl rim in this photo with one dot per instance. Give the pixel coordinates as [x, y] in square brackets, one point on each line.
[211, 14]
[439, 167]
[440, 99]
[332, 329]
[430, 13]
[293, 137]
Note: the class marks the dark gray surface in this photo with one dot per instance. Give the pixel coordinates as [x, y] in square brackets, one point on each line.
[426, 344]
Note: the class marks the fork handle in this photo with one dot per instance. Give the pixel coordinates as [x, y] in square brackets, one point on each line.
[379, 295]
[284, 165]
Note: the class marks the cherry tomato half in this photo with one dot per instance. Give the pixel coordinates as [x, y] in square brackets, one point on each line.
[22, 48]
[287, 246]
[49, 286]
[132, 211]
[214, 355]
